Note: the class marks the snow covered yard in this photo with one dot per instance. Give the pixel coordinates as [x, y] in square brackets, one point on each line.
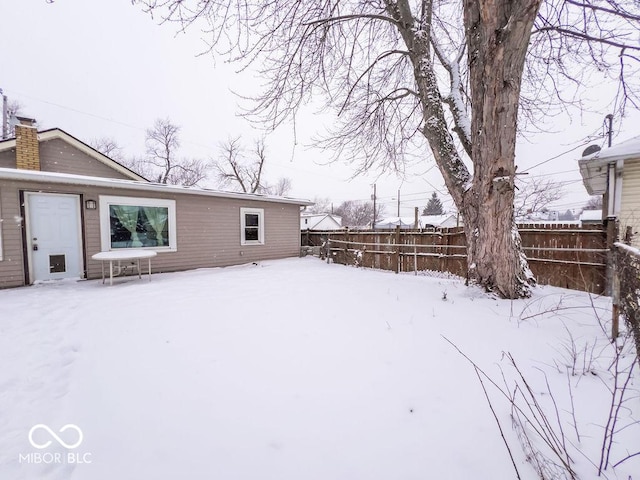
[291, 370]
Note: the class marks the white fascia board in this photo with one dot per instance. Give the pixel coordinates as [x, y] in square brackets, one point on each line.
[68, 179]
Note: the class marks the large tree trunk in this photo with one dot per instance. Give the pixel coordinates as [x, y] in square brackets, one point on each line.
[497, 34]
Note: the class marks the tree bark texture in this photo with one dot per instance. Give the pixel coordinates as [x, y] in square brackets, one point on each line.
[497, 33]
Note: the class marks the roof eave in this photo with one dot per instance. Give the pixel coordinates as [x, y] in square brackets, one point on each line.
[68, 179]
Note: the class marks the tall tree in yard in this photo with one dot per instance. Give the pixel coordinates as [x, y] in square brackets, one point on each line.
[429, 76]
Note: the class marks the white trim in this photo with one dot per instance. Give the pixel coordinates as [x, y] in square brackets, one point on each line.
[254, 211]
[105, 220]
[27, 223]
[70, 179]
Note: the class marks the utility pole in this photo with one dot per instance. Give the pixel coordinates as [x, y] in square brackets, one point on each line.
[373, 223]
[609, 119]
[398, 204]
[5, 120]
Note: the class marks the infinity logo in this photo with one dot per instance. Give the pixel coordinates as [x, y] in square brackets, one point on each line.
[56, 437]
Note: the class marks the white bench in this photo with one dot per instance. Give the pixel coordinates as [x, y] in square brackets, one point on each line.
[123, 255]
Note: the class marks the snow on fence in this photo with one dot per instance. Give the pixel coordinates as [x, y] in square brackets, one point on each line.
[564, 255]
[626, 288]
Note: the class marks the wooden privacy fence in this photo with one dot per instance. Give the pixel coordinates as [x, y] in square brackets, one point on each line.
[564, 255]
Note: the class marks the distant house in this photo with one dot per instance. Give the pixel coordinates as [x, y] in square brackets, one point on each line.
[440, 221]
[61, 201]
[320, 221]
[591, 217]
[614, 173]
[424, 221]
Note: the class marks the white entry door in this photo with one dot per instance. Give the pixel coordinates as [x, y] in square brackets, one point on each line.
[54, 238]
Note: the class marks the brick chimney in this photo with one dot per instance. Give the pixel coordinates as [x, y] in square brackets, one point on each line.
[27, 147]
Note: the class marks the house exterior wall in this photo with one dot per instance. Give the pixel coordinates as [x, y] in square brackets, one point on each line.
[58, 156]
[630, 201]
[208, 229]
[8, 159]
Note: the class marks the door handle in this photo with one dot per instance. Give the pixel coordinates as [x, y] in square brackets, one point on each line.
[35, 247]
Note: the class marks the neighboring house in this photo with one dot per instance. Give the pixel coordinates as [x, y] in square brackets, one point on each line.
[591, 217]
[440, 221]
[424, 221]
[614, 173]
[320, 221]
[61, 201]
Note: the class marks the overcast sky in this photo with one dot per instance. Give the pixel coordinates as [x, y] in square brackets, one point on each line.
[102, 68]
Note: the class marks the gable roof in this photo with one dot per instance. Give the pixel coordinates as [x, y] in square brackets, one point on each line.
[146, 186]
[57, 133]
[314, 220]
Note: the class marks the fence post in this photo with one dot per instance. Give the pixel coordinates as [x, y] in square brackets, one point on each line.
[328, 248]
[397, 242]
[615, 307]
[612, 236]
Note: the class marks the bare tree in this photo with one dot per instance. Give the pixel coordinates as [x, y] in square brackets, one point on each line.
[320, 205]
[281, 188]
[535, 195]
[14, 108]
[163, 142]
[108, 146]
[594, 203]
[244, 170]
[357, 213]
[408, 77]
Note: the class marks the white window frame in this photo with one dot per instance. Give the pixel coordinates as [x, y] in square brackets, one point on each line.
[105, 221]
[255, 211]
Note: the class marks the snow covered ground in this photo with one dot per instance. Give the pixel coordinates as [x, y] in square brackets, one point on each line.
[294, 370]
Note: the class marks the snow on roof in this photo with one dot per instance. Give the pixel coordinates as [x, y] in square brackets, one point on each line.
[409, 222]
[392, 222]
[591, 216]
[70, 179]
[628, 148]
[435, 220]
[316, 221]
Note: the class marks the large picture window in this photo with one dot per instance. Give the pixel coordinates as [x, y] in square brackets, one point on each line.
[251, 226]
[129, 222]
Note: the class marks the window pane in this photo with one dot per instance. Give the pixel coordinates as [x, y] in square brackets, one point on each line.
[251, 233]
[133, 226]
[251, 219]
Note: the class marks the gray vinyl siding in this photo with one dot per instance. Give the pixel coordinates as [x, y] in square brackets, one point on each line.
[630, 202]
[58, 156]
[8, 159]
[208, 230]
[12, 263]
